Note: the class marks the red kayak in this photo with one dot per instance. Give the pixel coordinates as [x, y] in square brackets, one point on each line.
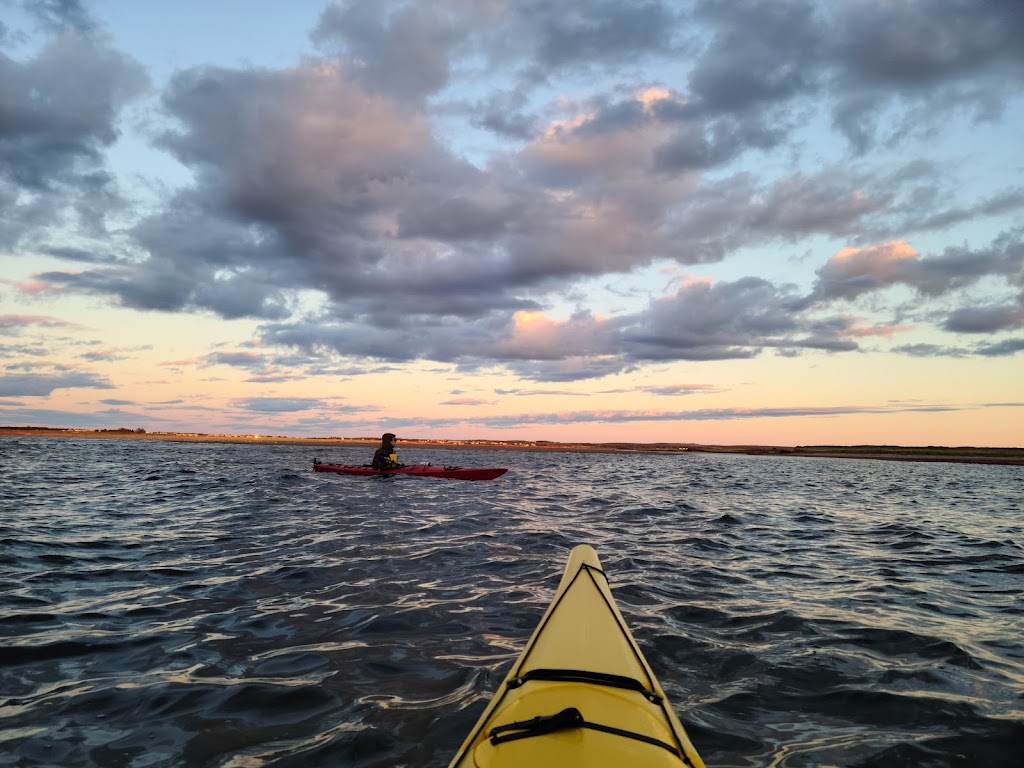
[416, 470]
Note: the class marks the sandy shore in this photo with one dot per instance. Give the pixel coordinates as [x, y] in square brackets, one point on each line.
[963, 455]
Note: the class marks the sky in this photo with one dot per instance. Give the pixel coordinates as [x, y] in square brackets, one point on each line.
[782, 222]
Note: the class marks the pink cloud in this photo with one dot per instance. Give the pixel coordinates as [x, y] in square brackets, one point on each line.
[535, 336]
[884, 331]
[11, 322]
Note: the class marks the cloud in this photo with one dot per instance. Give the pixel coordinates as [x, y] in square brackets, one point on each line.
[930, 350]
[15, 351]
[466, 401]
[701, 321]
[1001, 348]
[244, 359]
[539, 392]
[573, 368]
[935, 56]
[863, 59]
[278, 404]
[58, 114]
[42, 385]
[504, 113]
[105, 419]
[856, 271]
[311, 178]
[105, 355]
[296, 405]
[583, 33]
[338, 201]
[728, 320]
[759, 53]
[924, 44]
[1006, 201]
[411, 50]
[304, 182]
[699, 146]
[675, 390]
[534, 336]
[14, 323]
[614, 416]
[985, 319]
[59, 15]
[402, 51]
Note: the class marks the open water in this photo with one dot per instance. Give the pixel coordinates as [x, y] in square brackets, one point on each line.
[200, 604]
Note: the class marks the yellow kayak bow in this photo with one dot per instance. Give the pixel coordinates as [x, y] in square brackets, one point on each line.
[581, 693]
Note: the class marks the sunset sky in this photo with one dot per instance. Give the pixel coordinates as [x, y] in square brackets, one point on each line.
[779, 222]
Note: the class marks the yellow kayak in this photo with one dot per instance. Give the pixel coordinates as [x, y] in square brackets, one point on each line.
[581, 694]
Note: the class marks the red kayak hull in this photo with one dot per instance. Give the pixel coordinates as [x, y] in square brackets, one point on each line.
[417, 470]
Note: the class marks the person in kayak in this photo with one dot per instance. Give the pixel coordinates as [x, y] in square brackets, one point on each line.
[386, 457]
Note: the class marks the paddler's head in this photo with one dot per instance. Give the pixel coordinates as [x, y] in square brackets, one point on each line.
[388, 439]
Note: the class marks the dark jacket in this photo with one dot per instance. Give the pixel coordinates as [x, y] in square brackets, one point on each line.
[382, 459]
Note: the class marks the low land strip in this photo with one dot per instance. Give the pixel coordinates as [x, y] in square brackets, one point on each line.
[962, 454]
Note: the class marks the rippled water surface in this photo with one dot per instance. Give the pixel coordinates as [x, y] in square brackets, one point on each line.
[205, 604]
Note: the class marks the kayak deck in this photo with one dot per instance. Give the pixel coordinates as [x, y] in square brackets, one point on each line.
[581, 693]
[416, 470]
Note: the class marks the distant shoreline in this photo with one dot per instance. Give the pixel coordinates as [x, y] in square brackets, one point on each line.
[961, 455]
